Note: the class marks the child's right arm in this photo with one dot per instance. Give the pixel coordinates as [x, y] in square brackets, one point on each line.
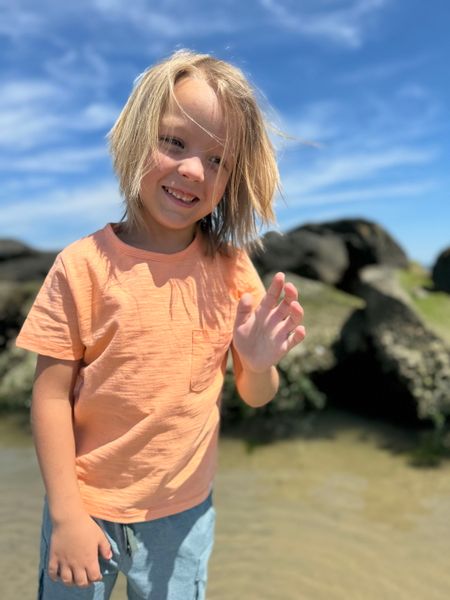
[76, 538]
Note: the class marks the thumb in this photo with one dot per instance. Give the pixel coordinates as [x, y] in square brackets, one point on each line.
[104, 548]
[244, 309]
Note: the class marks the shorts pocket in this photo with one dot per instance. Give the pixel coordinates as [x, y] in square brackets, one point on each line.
[209, 348]
[201, 578]
[200, 590]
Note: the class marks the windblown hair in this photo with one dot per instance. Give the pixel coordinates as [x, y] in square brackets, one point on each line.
[254, 178]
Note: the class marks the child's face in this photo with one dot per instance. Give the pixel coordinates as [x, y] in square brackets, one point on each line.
[184, 185]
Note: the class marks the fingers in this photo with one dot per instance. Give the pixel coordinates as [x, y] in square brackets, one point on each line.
[244, 309]
[273, 293]
[295, 337]
[75, 576]
[284, 307]
[104, 547]
[53, 570]
[80, 578]
[290, 293]
[93, 573]
[290, 332]
[65, 575]
[287, 315]
[293, 318]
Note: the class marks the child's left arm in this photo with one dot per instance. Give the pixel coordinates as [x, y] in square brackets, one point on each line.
[261, 338]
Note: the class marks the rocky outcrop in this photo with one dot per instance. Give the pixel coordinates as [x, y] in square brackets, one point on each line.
[332, 252]
[386, 358]
[441, 272]
[17, 369]
[27, 268]
[317, 255]
[326, 311]
[22, 270]
[15, 301]
[16, 365]
[367, 243]
[388, 361]
[19, 262]
[11, 249]
[371, 349]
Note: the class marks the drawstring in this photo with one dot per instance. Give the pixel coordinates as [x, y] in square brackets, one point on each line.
[129, 538]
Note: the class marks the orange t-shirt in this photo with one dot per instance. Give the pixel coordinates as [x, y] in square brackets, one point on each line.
[152, 332]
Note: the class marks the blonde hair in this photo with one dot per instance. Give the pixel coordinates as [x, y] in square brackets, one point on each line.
[254, 178]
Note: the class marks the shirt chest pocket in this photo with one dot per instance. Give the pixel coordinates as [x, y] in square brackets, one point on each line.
[208, 350]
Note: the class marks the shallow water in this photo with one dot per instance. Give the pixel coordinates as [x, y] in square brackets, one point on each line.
[336, 514]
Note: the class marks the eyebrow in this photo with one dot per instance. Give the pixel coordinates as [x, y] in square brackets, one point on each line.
[174, 123]
[176, 120]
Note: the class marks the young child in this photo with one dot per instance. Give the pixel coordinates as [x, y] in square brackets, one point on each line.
[132, 327]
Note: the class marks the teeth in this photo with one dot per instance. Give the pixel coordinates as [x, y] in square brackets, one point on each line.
[179, 195]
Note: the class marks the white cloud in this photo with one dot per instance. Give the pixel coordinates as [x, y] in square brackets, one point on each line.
[376, 72]
[64, 160]
[25, 128]
[26, 115]
[37, 218]
[38, 112]
[351, 196]
[19, 186]
[98, 116]
[345, 25]
[164, 19]
[80, 70]
[349, 168]
[16, 22]
[23, 91]
[317, 122]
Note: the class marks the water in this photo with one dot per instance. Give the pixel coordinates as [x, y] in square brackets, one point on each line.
[337, 514]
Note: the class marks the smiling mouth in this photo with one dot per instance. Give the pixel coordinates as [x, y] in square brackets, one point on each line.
[187, 199]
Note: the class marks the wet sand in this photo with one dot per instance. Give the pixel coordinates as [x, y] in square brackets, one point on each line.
[336, 514]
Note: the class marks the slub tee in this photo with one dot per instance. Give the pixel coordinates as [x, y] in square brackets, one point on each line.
[152, 333]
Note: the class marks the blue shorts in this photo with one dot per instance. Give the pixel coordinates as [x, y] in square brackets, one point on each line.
[163, 559]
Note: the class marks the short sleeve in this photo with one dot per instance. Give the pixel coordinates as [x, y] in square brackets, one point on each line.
[52, 325]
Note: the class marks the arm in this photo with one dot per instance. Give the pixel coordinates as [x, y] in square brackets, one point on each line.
[262, 337]
[255, 388]
[76, 538]
[51, 419]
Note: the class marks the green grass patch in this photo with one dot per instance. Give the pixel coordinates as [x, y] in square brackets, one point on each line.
[433, 307]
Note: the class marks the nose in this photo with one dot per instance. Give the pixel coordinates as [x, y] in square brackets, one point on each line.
[191, 167]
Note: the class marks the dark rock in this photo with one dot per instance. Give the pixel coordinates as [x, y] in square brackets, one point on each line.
[27, 268]
[13, 249]
[15, 301]
[317, 255]
[332, 252]
[326, 310]
[441, 272]
[389, 362]
[366, 243]
[17, 368]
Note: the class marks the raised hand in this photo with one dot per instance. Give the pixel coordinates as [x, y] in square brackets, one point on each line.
[264, 335]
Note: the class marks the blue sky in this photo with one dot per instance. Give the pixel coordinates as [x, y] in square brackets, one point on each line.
[366, 80]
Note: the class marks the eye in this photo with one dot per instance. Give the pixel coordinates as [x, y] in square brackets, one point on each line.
[171, 141]
[216, 161]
